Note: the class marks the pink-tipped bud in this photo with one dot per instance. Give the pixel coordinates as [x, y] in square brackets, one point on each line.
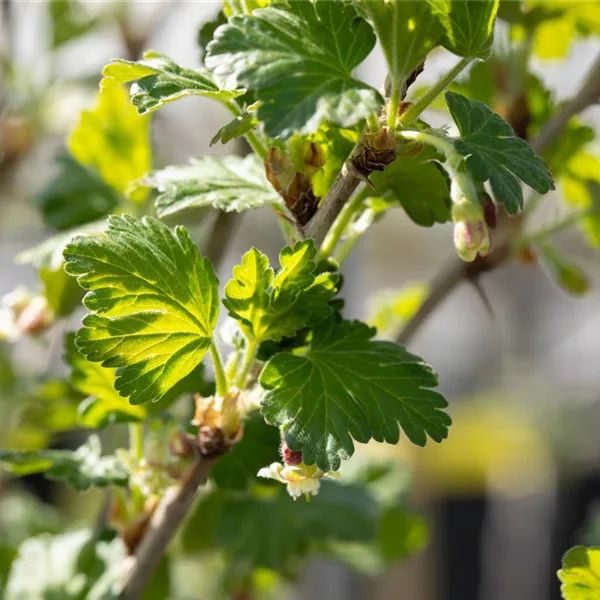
[290, 457]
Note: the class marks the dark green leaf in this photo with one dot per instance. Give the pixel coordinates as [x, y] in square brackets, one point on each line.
[299, 58]
[159, 80]
[235, 129]
[348, 386]
[407, 31]
[207, 30]
[401, 533]
[76, 196]
[226, 183]
[493, 152]
[580, 574]
[468, 26]
[154, 301]
[259, 447]
[81, 468]
[419, 184]
[273, 306]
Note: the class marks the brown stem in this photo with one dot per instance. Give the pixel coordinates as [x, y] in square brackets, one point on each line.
[165, 521]
[457, 272]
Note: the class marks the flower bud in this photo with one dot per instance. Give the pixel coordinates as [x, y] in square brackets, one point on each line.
[314, 158]
[290, 457]
[489, 210]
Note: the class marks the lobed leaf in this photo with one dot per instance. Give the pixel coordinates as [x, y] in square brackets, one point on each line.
[226, 183]
[272, 306]
[81, 468]
[112, 139]
[468, 26]
[493, 152]
[299, 58]
[154, 303]
[348, 386]
[158, 80]
[580, 574]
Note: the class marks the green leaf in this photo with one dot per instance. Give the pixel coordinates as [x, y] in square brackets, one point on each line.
[81, 468]
[113, 139]
[104, 405]
[468, 26]
[266, 528]
[69, 21]
[407, 31]
[567, 275]
[580, 574]
[227, 183]
[76, 196]
[319, 43]
[61, 290]
[72, 566]
[419, 184]
[493, 152]
[159, 80]
[154, 301]
[207, 31]
[235, 129]
[348, 386]
[401, 534]
[259, 447]
[388, 309]
[272, 306]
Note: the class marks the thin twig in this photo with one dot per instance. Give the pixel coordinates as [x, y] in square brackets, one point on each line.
[165, 521]
[457, 272]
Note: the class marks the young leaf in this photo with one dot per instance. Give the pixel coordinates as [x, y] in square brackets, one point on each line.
[349, 386]
[81, 468]
[235, 129]
[493, 152]
[226, 183]
[159, 80]
[299, 58]
[275, 306]
[104, 405]
[419, 185]
[154, 302]
[113, 139]
[580, 574]
[407, 32]
[468, 26]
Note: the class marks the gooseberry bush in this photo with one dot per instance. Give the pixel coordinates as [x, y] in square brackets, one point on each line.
[283, 383]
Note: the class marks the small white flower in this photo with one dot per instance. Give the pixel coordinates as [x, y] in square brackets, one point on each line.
[301, 480]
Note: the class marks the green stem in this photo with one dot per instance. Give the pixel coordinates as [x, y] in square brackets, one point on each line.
[412, 114]
[250, 353]
[221, 380]
[341, 224]
[136, 440]
[392, 112]
[541, 234]
[438, 141]
[373, 122]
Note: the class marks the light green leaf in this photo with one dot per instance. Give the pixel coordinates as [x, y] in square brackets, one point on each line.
[469, 26]
[154, 301]
[159, 80]
[493, 152]
[69, 21]
[235, 129]
[401, 533]
[104, 404]
[567, 275]
[273, 306]
[419, 184]
[580, 574]
[113, 139]
[348, 386]
[81, 468]
[226, 183]
[71, 566]
[299, 58]
[407, 31]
